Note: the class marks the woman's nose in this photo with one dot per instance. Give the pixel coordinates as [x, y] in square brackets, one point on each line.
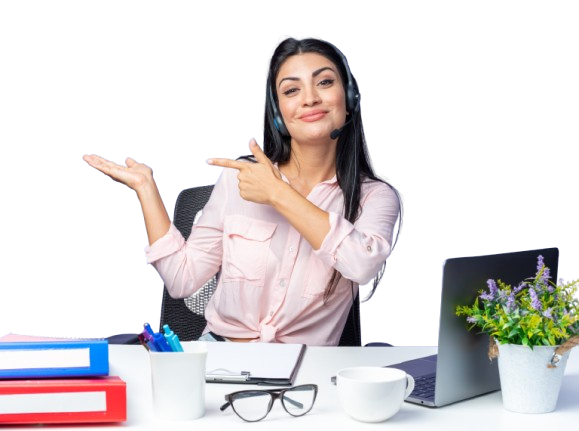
[311, 97]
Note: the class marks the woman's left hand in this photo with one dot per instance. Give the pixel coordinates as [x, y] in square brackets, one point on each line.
[258, 182]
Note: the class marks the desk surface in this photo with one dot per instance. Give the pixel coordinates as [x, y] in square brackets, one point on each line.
[131, 363]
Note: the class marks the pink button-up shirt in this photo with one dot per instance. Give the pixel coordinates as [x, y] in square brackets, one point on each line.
[272, 282]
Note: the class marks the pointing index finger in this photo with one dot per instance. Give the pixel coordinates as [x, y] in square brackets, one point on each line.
[226, 163]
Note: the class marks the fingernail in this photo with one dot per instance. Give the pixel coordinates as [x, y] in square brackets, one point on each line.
[209, 161]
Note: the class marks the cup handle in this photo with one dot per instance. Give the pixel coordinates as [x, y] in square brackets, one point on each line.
[409, 385]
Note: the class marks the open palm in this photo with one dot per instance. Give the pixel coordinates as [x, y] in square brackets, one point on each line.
[133, 175]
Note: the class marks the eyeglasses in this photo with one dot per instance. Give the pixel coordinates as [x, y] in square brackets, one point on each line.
[254, 405]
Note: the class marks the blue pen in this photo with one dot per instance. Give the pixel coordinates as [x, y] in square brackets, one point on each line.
[172, 339]
[148, 341]
[162, 343]
[149, 330]
[154, 343]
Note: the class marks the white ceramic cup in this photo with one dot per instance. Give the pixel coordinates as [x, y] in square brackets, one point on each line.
[179, 382]
[372, 394]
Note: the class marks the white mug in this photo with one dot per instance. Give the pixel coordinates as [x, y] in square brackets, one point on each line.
[178, 380]
[373, 394]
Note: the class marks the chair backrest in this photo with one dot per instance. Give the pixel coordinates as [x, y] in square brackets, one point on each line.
[186, 317]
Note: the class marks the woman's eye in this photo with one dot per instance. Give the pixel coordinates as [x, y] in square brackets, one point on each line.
[290, 91]
[326, 82]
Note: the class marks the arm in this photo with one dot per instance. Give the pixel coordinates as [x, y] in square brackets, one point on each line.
[309, 220]
[171, 256]
[186, 265]
[359, 250]
[157, 220]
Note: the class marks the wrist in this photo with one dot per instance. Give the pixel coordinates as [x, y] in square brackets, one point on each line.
[147, 189]
[280, 194]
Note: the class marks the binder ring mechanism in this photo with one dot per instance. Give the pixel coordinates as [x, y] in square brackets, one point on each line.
[227, 376]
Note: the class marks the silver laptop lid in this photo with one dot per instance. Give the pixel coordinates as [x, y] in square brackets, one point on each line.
[463, 368]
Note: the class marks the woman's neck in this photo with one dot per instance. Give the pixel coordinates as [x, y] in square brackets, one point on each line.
[306, 168]
[310, 167]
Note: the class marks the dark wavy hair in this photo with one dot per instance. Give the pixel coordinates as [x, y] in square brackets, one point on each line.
[353, 164]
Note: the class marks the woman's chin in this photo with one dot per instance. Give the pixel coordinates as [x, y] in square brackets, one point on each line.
[316, 135]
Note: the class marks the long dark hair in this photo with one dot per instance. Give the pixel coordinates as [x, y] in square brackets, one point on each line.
[353, 164]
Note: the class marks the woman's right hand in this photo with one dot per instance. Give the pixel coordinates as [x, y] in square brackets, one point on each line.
[134, 175]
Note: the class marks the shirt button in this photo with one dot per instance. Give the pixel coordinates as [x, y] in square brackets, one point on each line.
[369, 248]
[291, 249]
[282, 283]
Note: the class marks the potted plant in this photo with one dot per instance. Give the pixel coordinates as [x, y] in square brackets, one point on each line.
[532, 327]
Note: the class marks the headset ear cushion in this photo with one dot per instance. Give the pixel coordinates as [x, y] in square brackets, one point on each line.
[352, 98]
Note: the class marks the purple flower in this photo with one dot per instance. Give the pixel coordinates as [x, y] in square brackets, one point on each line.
[492, 287]
[548, 313]
[511, 302]
[520, 287]
[540, 263]
[486, 296]
[471, 319]
[535, 302]
[546, 275]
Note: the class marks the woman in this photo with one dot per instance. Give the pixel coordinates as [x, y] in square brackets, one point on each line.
[294, 229]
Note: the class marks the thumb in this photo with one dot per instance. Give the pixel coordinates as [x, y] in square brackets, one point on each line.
[258, 152]
[130, 162]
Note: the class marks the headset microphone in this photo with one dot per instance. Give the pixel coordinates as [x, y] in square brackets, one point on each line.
[336, 132]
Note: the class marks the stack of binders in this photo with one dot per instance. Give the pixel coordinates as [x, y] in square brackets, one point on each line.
[48, 380]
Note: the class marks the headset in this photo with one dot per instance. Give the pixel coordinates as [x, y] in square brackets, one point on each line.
[352, 99]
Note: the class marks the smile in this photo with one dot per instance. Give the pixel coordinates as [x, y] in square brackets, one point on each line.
[313, 116]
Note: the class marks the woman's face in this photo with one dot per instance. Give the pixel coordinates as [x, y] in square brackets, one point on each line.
[311, 97]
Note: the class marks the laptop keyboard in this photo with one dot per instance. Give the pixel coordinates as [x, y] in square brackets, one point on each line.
[424, 387]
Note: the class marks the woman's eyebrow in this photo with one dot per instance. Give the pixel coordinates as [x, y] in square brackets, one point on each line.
[314, 74]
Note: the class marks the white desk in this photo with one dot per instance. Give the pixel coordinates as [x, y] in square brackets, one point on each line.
[131, 363]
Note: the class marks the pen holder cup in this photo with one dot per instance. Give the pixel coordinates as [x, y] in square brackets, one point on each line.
[178, 380]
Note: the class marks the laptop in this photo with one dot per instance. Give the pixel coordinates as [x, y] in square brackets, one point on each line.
[462, 369]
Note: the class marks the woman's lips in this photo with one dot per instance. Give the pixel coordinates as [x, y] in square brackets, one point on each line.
[313, 116]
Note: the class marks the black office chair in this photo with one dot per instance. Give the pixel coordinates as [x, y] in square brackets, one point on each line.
[186, 317]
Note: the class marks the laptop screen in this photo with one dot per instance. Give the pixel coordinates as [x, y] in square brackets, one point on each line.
[463, 369]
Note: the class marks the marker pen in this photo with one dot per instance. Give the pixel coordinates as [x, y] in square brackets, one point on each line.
[162, 343]
[172, 339]
[148, 341]
[149, 330]
[148, 335]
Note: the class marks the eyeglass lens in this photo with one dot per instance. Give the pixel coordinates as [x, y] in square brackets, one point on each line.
[255, 405]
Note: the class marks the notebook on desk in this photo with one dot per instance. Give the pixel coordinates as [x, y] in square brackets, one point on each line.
[461, 369]
[253, 363]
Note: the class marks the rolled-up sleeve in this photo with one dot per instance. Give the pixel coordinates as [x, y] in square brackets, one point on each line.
[185, 266]
[358, 250]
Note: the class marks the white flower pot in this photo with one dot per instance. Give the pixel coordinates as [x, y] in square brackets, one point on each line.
[528, 385]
